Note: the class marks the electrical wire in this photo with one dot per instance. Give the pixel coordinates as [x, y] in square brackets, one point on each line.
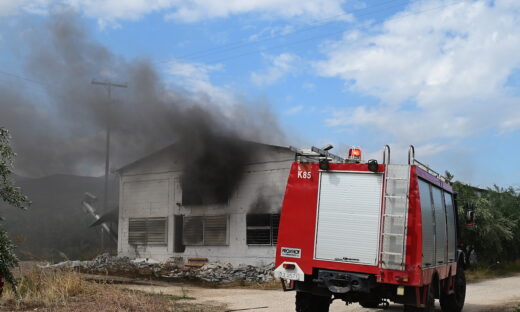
[268, 48]
[319, 24]
[321, 36]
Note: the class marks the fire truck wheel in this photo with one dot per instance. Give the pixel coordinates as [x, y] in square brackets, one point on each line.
[429, 305]
[306, 302]
[370, 303]
[455, 301]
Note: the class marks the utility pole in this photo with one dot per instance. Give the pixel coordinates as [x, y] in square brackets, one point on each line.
[108, 85]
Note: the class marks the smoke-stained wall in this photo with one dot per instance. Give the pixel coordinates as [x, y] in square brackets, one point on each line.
[152, 188]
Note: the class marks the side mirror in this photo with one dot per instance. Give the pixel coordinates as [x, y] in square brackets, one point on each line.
[470, 218]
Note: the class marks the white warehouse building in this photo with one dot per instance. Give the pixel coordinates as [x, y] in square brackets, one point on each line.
[155, 221]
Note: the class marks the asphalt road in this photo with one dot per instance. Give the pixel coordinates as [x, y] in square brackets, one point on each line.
[483, 296]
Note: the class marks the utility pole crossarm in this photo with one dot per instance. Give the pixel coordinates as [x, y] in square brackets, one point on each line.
[109, 84]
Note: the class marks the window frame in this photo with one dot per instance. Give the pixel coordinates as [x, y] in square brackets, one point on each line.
[274, 224]
[204, 220]
[147, 228]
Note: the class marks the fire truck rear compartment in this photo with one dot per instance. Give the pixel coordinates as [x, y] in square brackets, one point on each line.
[349, 212]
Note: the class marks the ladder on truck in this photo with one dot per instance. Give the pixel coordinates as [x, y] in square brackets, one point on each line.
[395, 214]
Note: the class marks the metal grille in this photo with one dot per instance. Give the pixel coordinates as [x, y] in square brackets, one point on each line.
[262, 229]
[215, 230]
[205, 230]
[147, 231]
[193, 231]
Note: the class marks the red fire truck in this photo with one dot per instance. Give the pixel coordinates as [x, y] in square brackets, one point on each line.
[369, 233]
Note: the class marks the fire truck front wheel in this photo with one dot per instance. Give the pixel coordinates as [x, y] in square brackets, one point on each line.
[307, 302]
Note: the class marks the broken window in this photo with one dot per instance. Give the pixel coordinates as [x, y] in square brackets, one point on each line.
[205, 230]
[262, 229]
[147, 231]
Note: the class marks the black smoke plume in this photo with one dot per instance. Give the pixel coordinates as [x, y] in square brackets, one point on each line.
[59, 127]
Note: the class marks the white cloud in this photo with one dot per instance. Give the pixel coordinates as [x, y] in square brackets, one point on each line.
[195, 78]
[294, 110]
[438, 73]
[195, 10]
[309, 86]
[272, 31]
[8, 7]
[282, 65]
[111, 11]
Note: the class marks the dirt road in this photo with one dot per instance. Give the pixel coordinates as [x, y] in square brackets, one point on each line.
[483, 296]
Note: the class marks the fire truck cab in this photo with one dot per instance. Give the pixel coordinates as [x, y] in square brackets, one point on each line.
[369, 233]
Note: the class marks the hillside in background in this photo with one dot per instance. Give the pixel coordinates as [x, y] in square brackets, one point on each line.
[55, 226]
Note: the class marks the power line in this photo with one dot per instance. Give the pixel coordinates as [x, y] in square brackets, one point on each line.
[327, 34]
[267, 39]
[21, 77]
[319, 24]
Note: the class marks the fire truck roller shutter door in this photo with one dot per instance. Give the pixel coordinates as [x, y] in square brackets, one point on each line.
[452, 234]
[428, 227]
[349, 211]
[441, 244]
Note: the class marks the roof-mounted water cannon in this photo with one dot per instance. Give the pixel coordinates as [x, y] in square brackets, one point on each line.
[317, 154]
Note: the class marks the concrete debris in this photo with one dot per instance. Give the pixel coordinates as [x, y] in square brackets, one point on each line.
[211, 272]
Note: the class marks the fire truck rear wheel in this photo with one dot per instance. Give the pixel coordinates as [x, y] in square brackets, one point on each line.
[306, 302]
[455, 301]
[429, 305]
[370, 303]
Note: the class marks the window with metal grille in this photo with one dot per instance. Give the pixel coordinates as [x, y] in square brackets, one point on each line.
[262, 229]
[205, 231]
[147, 231]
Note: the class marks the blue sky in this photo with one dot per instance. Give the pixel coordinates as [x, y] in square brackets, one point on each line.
[443, 75]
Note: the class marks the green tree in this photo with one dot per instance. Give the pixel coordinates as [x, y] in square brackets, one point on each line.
[496, 225]
[13, 196]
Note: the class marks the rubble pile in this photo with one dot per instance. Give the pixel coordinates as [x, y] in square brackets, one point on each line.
[226, 273]
[211, 272]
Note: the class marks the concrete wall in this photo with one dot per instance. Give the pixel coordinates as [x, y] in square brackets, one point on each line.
[152, 189]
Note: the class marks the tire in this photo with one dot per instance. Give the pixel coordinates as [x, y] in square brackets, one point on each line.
[455, 301]
[429, 305]
[306, 302]
[370, 303]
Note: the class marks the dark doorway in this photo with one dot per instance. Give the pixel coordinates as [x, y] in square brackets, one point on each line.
[178, 246]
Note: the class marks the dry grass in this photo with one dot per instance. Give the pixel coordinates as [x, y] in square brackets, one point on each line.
[480, 273]
[60, 291]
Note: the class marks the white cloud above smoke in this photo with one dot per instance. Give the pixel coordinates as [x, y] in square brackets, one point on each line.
[112, 11]
[439, 69]
[195, 78]
[195, 10]
[280, 66]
